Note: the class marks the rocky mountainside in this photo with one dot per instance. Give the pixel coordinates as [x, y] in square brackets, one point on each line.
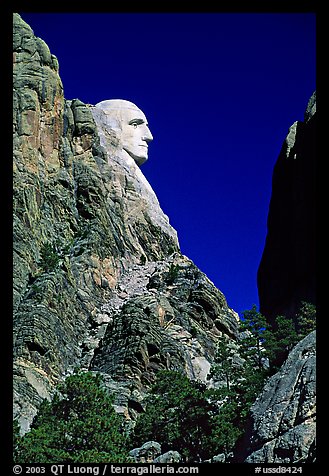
[286, 275]
[99, 280]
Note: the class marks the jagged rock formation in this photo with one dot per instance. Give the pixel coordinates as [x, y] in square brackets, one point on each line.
[286, 274]
[146, 453]
[284, 415]
[99, 280]
[168, 317]
[150, 452]
[97, 266]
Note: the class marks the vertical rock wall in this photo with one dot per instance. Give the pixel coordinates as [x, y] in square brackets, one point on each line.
[284, 415]
[96, 261]
[287, 272]
[100, 283]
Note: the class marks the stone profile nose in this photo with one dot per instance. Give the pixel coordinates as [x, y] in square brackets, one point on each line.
[147, 136]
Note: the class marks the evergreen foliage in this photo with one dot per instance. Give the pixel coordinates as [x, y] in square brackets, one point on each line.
[255, 334]
[179, 416]
[225, 368]
[306, 319]
[172, 274]
[79, 425]
[263, 344]
[281, 341]
[49, 257]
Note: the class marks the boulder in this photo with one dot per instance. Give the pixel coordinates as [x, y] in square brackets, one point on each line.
[283, 418]
[146, 453]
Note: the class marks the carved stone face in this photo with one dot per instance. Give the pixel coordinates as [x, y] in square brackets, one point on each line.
[130, 125]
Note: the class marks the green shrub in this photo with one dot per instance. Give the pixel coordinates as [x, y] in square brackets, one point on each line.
[306, 319]
[79, 425]
[179, 416]
[172, 273]
[49, 257]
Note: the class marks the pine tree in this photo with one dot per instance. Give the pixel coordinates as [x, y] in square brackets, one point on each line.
[179, 416]
[306, 319]
[78, 425]
[281, 342]
[255, 333]
[225, 368]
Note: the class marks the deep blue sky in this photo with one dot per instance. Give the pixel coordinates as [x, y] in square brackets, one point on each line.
[220, 91]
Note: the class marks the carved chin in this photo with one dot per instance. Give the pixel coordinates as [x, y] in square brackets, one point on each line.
[140, 160]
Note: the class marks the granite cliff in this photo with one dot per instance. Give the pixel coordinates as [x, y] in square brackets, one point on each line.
[287, 271]
[283, 419]
[282, 426]
[100, 282]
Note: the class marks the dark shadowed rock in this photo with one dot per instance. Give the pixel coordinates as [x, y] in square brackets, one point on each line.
[286, 275]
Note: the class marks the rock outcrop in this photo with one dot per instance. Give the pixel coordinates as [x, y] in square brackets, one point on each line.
[284, 415]
[164, 315]
[286, 274]
[100, 283]
[99, 280]
[150, 452]
[146, 453]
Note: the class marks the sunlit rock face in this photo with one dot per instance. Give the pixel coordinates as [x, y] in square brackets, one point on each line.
[124, 135]
[100, 282]
[287, 271]
[284, 415]
[128, 126]
[99, 279]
